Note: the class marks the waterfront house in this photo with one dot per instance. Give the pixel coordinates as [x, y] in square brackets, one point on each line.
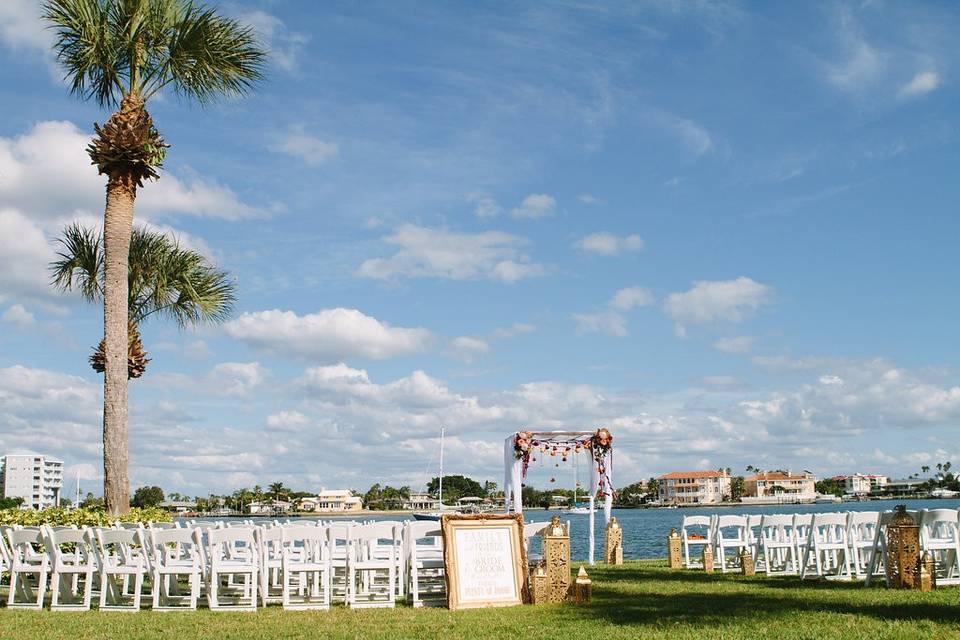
[334, 501]
[906, 487]
[780, 485]
[860, 484]
[694, 487]
[179, 507]
[421, 502]
[269, 507]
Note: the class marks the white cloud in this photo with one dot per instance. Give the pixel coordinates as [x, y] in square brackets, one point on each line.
[923, 82]
[588, 198]
[285, 46]
[291, 420]
[735, 345]
[609, 322]
[861, 63]
[535, 205]
[485, 207]
[25, 255]
[696, 138]
[437, 253]
[608, 244]
[710, 301]
[18, 316]
[631, 297]
[310, 149]
[513, 330]
[47, 174]
[22, 28]
[468, 348]
[613, 321]
[237, 378]
[330, 334]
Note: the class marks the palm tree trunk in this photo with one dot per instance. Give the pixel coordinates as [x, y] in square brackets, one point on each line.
[117, 227]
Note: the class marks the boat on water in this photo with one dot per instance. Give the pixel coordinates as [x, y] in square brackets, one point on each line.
[579, 509]
[441, 508]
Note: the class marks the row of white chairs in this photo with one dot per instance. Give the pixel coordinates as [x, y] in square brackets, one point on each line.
[300, 564]
[833, 545]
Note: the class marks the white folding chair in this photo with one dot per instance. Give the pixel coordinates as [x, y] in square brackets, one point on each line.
[120, 556]
[270, 546]
[426, 580]
[306, 569]
[861, 532]
[695, 531]
[231, 553]
[28, 568]
[4, 551]
[753, 538]
[778, 546]
[338, 546]
[531, 531]
[802, 523]
[372, 565]
[174, 553]
[939, 536]
[730, 535]
[67, 567]
[827, 544]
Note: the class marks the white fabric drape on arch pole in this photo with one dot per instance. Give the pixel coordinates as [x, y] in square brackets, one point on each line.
[599, 483]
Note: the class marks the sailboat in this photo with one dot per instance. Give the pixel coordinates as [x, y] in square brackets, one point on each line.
[441, 508]
[577, 509]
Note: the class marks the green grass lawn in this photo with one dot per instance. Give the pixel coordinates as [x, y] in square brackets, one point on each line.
[640, 600]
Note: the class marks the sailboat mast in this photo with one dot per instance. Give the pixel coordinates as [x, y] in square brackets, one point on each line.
[441, 467]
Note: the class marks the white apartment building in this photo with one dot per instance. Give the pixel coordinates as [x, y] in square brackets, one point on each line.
[862, 484]
[694, 487]
[35, 478]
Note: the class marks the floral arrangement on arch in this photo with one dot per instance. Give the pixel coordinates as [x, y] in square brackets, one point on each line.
[600, 445]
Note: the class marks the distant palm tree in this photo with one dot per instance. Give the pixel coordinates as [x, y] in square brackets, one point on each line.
[277, 490]
[122, 53]
[925, 469]
[165, 280]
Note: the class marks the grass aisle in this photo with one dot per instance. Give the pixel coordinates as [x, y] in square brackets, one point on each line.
[641, 600]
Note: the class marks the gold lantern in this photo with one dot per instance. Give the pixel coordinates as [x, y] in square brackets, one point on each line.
[583, 587]
[746, 563]
[539, 585]
[613, 546]
[928, 573]
[903, 550]
[673, 550]
[707, 558]
[556, 555]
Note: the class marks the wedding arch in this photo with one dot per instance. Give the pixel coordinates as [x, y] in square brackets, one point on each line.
[522, 447]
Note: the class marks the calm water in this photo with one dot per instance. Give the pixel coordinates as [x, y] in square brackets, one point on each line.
[645, 530]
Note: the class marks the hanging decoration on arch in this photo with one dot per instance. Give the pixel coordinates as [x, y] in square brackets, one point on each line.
[601, 448]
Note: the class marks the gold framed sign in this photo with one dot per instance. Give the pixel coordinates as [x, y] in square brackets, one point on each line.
[485, 561]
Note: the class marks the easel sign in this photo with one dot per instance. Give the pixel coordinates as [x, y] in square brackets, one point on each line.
[485, 561]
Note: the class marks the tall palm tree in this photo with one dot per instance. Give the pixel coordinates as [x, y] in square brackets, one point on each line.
[164, 280]
[277, 490]
[121, 53]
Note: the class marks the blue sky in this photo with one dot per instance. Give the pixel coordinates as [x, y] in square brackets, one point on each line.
[725, 230]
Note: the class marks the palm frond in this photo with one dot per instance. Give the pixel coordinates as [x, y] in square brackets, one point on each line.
[112, 48]
[208, 56]
[80, 263]
[89, 48]
[164, 278]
